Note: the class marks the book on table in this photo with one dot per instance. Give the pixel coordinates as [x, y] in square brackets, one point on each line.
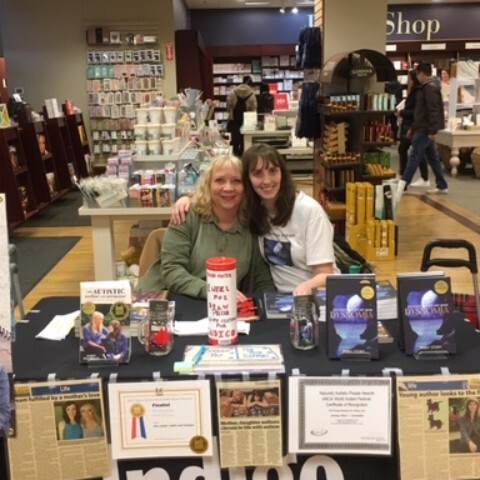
[426, 318]
[234, 358]
[105, 308]
[279, 305]
[351, 313]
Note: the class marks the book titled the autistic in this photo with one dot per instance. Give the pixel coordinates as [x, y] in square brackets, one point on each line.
[105, 308]
[279, 305]
[351, 313]
[425, 314]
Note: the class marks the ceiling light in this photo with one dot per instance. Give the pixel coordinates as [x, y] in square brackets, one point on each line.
[282, 10]
[294, 10]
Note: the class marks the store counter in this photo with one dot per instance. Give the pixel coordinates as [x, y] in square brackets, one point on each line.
[103, 232]
[456, 140]
[35, 359]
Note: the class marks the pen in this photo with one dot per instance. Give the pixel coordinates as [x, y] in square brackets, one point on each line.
[198, 356]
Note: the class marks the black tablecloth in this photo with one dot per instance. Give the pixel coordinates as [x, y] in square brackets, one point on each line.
[35, 359]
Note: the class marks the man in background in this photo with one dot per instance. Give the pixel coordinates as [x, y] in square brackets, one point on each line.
[241, 99]
[428, 120]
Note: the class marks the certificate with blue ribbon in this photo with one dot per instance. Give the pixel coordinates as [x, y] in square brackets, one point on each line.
[160, 419]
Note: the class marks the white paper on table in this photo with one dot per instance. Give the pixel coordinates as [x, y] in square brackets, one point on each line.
[200, 327]
[59, 327]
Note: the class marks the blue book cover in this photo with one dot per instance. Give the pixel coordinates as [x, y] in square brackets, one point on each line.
[425, 314]
[351, 314]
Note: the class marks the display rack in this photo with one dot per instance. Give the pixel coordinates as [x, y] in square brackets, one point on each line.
[80, 145]
[124, 70]
[16, 180]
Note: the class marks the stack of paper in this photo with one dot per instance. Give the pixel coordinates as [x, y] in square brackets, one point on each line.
[59, 326]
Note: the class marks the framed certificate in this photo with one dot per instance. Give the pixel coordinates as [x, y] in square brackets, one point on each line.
[160, 419]
[340, 415]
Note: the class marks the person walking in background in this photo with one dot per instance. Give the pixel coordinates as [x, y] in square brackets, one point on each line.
[241, 99]
[428, 120]
[406, 115]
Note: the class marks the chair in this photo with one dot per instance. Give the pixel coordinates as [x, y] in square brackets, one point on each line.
[468, 304]
[16, 293]
[151, 250]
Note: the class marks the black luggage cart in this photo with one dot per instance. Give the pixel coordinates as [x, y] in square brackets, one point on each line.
[467, 304]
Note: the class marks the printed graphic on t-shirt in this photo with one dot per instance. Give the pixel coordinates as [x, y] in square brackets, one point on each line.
[277, 252]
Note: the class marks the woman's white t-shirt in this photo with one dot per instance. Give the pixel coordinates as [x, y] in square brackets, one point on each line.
[306, 240]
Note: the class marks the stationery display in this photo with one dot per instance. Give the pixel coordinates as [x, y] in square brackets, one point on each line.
[222, 300]
[167, 419]
[441, 413]
[105, 322]
[155, 332]
[61, 424]
[352, 330]
[235, 358]
[304, 328]
[250, 423]
[340, 415]
[425, 314]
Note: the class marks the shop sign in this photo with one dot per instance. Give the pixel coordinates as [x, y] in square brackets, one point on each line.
[424, 29]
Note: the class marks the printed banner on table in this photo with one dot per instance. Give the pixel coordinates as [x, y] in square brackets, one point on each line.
[160, 419]
[341, 415]
[61, 424]
[439, 426]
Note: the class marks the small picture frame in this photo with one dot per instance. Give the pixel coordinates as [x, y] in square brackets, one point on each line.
[115, 37]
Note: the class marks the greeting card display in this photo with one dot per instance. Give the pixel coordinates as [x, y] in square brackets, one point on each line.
[425, 313]
[352, 317]
[105, 322]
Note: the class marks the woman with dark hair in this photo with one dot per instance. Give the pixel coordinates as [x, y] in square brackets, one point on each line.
[264, 100]
[406, 131]
[295, 233]
[70, 428]
[470, 427]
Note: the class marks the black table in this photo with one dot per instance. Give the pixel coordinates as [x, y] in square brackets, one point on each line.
[35, 359]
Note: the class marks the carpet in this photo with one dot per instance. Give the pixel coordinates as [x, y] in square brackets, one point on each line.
[62, 212]
[36, 256]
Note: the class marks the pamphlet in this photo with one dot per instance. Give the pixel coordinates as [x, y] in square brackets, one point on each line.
[425, 314]
[232, 358]
[105, 322]
[438, 411]
[250, 423]
[352, 330]
[60, 424]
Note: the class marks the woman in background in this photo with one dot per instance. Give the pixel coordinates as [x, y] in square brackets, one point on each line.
[69, 428]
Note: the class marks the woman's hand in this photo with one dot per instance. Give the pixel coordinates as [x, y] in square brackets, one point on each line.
[180, 210]
[472, 446]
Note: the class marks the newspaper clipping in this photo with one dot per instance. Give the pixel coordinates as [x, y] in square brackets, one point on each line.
[61, 424]
[250, 419]
[439, 427]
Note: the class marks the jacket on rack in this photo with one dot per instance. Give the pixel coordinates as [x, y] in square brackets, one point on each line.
[309, 51]
[429, 116]
[308, 117]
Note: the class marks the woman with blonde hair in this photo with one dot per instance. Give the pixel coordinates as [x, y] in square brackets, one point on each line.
[91, 421]
[215, 226]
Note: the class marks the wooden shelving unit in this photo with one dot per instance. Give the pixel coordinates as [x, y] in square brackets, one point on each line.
[16, 179]
[80, 145]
